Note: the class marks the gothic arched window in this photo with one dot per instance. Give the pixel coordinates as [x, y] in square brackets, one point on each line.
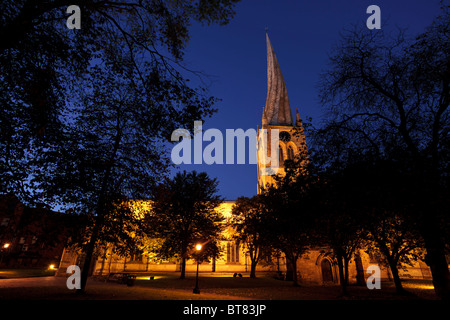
[232, 252]
[280, 154]
[290, 153]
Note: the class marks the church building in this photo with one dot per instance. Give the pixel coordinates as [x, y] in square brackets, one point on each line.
[316, 266]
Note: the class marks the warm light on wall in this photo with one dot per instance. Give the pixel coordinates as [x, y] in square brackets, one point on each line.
[6, 245]
[198, 247]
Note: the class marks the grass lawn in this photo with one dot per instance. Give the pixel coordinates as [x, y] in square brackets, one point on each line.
[41, 293]
[25, 273]
[168, 286]
[268, 288]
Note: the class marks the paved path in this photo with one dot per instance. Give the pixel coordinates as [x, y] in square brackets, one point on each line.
[54, 288]
[32, 282]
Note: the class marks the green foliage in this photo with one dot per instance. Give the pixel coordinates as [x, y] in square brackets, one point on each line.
[388, 100]
[250, 227]
[87, 114]
[184, 214]
[54, 77]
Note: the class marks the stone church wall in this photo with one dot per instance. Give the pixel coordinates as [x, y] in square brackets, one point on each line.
[315, 267]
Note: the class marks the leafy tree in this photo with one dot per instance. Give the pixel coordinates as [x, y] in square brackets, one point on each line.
[390, 96]
[41, 62]
[88, 111]
[365, 204]
[184, 213]
[341, 231]
[338, 222]
[390, 230]
[397, 242]
[289, 212]
[115, 147]
[251, 228]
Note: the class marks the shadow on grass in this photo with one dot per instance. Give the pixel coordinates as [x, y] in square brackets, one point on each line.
[26, 273]
[170, 287]
[268, 288]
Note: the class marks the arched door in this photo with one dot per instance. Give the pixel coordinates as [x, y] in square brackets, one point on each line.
[327, 273]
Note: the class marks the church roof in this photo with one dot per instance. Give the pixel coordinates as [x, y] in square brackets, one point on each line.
[277, 110]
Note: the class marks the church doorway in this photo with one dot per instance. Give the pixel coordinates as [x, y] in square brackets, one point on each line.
[327, 273]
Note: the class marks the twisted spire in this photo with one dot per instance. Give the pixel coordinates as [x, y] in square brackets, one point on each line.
[277, 110]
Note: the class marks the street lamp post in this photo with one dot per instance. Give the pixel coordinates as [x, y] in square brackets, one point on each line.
[196, 290]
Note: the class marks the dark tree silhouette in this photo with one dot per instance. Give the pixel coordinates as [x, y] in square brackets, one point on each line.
[87, 112]
[289, 207]
[250, 228]
[390, 95]
[41, 62]
[184, 213]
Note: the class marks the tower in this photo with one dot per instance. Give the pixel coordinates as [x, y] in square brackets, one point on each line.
[279, 138]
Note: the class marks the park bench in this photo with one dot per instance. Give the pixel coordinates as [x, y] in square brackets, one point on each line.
[122, 277]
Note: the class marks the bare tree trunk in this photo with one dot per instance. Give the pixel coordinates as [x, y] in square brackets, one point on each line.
[398, 284]
[110, 261]
[359, 271]
[294, 271]
[89, 253]
[436, 260]
[254, 257]
[346, 271]
[183, 268]
[103, 260]
[253, 268]
[99, 218]
[341, 274]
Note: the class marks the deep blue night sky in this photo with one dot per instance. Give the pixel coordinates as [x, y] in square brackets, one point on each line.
[302, 33]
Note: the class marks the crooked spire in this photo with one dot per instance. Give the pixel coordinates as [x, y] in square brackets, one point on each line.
[277, 110]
